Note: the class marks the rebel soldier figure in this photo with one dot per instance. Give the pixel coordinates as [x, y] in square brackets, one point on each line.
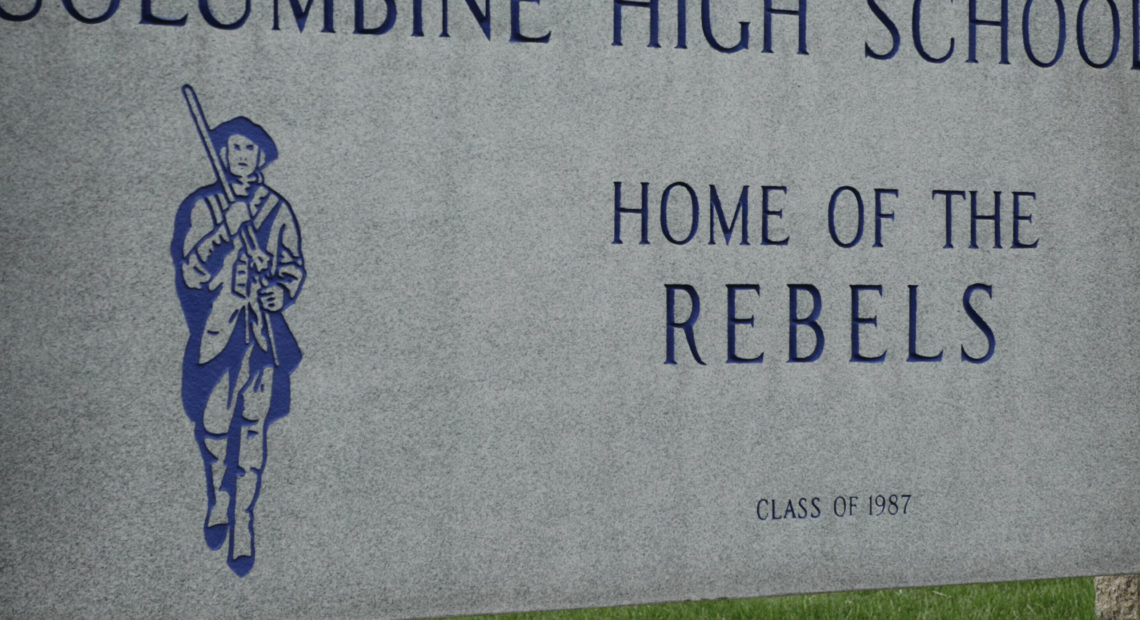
[238, 263]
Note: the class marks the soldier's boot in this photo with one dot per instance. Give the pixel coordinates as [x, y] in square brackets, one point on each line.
[215, 431]
[251, 461]
[217, 511]
[242, 544]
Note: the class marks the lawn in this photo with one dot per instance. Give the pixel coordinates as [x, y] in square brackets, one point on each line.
[1059, 598]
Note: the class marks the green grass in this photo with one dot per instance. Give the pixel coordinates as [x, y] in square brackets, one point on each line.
[1061, 598]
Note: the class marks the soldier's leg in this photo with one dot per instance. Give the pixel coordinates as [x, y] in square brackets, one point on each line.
[216, 424]
[251, 457]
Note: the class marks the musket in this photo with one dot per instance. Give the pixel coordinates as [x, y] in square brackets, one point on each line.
[204, 133]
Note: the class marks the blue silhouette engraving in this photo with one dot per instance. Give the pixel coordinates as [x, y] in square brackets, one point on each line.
[238, 265]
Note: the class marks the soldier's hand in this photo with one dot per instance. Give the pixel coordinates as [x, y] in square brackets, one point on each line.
[260, 260]
[272, 297]
[236, 215]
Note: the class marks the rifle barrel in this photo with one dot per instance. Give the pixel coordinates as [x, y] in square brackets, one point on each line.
[199, 117]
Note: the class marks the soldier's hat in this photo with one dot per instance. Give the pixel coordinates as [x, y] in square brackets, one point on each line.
[242, 126]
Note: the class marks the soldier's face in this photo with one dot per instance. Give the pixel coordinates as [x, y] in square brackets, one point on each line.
[242, 155]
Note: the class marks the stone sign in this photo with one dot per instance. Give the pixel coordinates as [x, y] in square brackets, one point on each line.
[414, 307]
